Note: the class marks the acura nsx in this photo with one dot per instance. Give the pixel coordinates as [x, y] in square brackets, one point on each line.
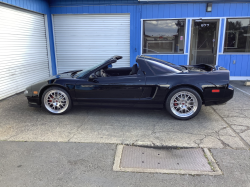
[150, 82]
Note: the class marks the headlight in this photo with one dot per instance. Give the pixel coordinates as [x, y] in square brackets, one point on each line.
[26, 92]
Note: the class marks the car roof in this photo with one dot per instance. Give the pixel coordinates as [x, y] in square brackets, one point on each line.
[152, 58]
[149, 58]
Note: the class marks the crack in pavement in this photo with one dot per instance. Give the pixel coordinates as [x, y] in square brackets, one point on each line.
[215, 134]
[198, 134]
[135, 142]
[224, 144]
[79, 127]
[235, 116]
[198, 142]
[247, 128]
[241, 139]
[219, 138]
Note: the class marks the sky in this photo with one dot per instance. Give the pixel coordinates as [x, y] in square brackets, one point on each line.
[161, 28]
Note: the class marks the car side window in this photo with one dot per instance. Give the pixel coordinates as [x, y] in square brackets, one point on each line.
[159, 68]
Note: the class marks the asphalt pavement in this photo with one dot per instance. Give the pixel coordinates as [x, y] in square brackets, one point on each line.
[90, 165]
[78, 149]
[211, 128]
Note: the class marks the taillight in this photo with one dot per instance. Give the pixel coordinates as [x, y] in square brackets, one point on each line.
[216, 91]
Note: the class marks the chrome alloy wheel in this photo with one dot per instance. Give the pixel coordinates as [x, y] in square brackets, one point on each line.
[183, 104]
[56, 101]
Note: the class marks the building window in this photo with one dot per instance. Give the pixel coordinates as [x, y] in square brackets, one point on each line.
[237, 36]
[163, 36]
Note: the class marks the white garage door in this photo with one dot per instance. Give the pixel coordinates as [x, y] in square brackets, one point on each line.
[23, 49]
[85, 40]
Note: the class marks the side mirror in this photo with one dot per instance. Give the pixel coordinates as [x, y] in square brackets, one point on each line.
[92, 77]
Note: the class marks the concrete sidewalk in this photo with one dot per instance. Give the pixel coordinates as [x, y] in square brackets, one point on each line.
[236, 112]
[45, 162]
[239, 85]
[89, 164]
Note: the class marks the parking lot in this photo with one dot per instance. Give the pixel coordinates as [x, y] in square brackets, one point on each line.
[225, 126]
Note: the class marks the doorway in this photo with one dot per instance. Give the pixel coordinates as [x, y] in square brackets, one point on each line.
[204, 40]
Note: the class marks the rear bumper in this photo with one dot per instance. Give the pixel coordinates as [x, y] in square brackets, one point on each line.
[229, 93]
[220, 98]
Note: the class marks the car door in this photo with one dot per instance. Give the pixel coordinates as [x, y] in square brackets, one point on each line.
[118, 89]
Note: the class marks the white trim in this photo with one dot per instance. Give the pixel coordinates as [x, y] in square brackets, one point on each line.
[52, 19]
[141, 35]
[189, 42]
[185, 37]
[224, 32]
[223, 40]
[239, 78]
[199, 18]
[164, 54]
[235, 53]
[218, 37]
[218, 42]
[48, 44]
[203, 18]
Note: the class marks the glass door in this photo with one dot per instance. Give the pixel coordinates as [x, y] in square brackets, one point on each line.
[204, 40]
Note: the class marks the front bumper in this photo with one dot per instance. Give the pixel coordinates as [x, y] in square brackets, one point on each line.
[34, 101]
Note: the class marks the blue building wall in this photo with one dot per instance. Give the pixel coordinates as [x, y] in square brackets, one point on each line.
[148, 10]
[139, 10]
[41, 6]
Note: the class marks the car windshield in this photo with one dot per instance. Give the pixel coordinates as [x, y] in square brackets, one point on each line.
[86, 71]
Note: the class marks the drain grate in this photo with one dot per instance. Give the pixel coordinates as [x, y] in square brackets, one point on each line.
[182, 161]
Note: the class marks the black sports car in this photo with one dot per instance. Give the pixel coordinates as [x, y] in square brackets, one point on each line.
[151, 82]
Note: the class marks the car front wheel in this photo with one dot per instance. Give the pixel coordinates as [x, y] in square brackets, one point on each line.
[183, 103]
[56, 100]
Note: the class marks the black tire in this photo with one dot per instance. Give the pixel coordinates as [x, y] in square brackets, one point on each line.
[177, 114]
[65, 103]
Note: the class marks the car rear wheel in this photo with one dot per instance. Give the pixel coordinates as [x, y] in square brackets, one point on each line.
[56, 100]
[183, 103]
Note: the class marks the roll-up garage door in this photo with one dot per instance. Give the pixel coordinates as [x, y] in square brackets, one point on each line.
[83, 41]
[23, 49]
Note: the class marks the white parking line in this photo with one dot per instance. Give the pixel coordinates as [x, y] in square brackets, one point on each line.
[240, 90]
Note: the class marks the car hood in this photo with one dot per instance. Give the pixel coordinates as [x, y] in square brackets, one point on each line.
[68, 74]
[64, 75]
